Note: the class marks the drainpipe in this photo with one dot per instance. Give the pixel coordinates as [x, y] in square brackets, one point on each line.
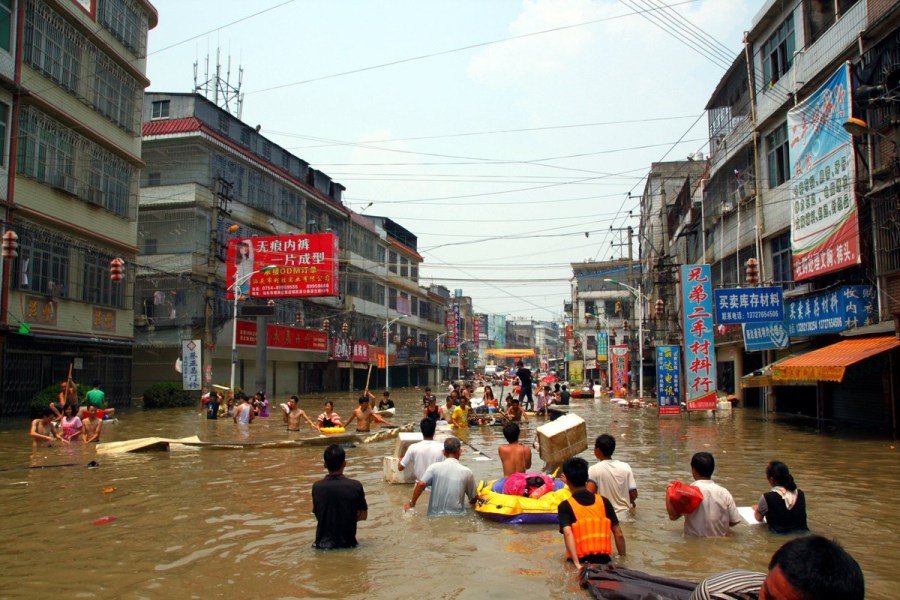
[758, 196]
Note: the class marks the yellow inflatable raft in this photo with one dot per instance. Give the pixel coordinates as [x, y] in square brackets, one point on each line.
[505, 508]
[331, 430]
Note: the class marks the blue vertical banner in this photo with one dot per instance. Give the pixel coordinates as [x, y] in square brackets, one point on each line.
[668, 379]
[699, 349]
[602, 346]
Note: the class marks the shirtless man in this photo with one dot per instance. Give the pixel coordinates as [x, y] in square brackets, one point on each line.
[364, 415]
[293, 414]
[516, 457]
[43, 431]
[92, 425]
[515, 413]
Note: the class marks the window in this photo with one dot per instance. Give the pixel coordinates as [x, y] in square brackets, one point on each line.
[6, 24]
[43, 264]
[159, 109]
[267, 149]
[4, 119]
[223, 122]
[51, 46]
[777, 148]
[414, 271]
[126, 21]
[392, 262]
[115, 93]
[245, 136]
[98, 288]
[392, 298]
[778, 52]
[782, 264]
[380, 253]
[820, 15]
[154, 179]
[404, 267]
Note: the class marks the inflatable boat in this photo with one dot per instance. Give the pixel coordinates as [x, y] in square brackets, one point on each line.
[507, 508]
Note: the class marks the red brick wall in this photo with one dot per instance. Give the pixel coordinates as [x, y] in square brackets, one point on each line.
[878, 7]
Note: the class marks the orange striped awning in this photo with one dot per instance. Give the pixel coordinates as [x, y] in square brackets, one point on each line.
[830, 363]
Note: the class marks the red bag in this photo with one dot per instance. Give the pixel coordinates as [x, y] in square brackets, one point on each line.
[685, 498]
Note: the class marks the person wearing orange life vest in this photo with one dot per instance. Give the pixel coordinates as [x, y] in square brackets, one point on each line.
[587, 521]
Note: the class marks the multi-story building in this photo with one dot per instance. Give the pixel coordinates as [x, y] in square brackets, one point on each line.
[211, 177]
[758, 197]
[72, 77]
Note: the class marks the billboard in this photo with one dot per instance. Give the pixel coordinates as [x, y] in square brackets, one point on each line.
[699, 350]
[668, 380]
[451, 320]
[824, 220]
[306, 265]
[619, 367]
[602, 346]
[749, 305]
[190, 364]
[280, 336]
[846, 307]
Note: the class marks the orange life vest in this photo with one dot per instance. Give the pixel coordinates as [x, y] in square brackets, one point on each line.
[592, 530]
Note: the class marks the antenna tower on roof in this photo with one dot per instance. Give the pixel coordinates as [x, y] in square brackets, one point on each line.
[220, 91]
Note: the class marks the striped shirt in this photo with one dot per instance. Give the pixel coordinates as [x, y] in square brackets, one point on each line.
[736, 584]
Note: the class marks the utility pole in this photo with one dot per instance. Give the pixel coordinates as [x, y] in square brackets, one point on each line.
[221, 196]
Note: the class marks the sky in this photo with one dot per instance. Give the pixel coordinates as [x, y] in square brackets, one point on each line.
[509, 136]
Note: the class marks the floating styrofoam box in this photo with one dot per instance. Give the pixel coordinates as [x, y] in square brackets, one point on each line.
[394, 475]
[562, 439]
[404, 441]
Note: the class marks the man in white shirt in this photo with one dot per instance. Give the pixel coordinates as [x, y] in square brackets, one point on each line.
[717, 512]
[450, 484]
[614, 478]
[421, 455]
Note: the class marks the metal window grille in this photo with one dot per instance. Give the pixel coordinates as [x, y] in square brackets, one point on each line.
[126, 21]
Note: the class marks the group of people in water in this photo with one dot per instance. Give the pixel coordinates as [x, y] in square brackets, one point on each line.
[589, 518]
[69, 420]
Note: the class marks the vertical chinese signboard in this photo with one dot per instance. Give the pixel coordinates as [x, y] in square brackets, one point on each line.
[699, 351]
[190, 364]
[450, 323]
[668, 380]
[305, 265]
[620, 367]
[602, 347]
[824, 219]
[476, 326]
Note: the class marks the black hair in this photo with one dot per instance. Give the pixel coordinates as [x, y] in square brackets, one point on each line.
[96, 383]
[46, 413]
[452, 445]
[576, 471]
[606, 444]
[564, 386]
[511, 432]
[781, 475]
[703, 463]
[329, 402]
[363, 399]
[820, 569]
[428, 427]
[334, 458]
[295, 399]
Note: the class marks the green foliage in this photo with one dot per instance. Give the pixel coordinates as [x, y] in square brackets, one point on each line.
[168, 395]
[49, 394]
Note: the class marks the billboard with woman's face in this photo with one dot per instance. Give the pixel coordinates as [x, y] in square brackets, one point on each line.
[302, 266]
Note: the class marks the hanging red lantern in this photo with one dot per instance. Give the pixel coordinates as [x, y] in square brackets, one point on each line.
[325, 324]
[345, 328]
[618, 308]
[117, 269]
[752, 271]
[660, 307]
[625, 325]
[298, 318]
[10, 244]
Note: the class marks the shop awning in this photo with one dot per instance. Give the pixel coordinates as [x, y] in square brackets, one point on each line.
[763, 377]
[830, 363]
[510, 352]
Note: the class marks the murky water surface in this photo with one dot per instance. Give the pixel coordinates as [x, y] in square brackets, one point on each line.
[228, 523]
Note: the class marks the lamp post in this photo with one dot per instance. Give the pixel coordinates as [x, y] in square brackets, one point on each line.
[387, 354]
[235, 288]
[438, 344]
[640, 298]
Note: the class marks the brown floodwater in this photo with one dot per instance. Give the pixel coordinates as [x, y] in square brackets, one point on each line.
[201, 523]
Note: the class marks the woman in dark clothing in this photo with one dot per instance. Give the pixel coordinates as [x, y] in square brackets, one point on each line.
[784, 506]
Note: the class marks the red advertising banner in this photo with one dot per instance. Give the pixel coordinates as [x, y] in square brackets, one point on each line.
[475, 331]
[450, 324]
[340, 349]
[620, 367]
[280, 336]
[305, 265]
[359, 352]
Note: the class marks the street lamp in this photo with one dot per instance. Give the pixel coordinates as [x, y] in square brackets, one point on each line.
[438, 343]
[640, 298]
[387, 354]
[235, 288]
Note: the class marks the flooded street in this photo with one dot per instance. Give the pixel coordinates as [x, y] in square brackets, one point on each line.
[200, 523]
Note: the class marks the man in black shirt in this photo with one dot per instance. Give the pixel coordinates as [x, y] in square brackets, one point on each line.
[524, 376]
[564, 396]
[338, 503]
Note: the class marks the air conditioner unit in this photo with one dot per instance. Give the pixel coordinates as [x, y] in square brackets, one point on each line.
[64, 183]
[727, 207]
[95, 196]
